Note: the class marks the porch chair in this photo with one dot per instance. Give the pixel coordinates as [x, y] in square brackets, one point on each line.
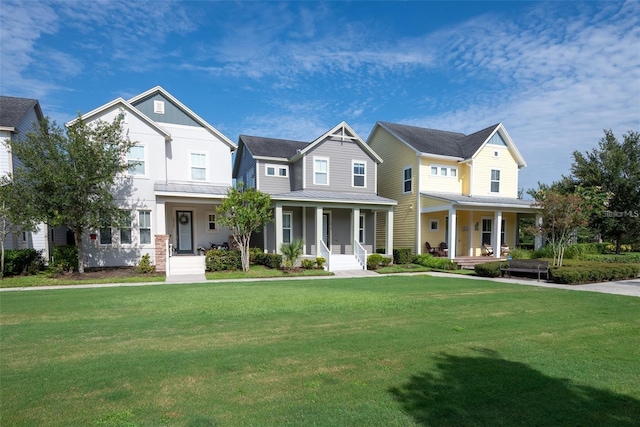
[429, 249]
[443, 249]
[504, 250]
[487, 250]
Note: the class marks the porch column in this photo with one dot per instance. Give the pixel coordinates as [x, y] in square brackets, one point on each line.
[537, 243]
[497, 220]
[278, 214]
[471, 230]
[318, 229]
[355, 226]
[453, 233]
[304, 230]
[389, 236]
[161, 218]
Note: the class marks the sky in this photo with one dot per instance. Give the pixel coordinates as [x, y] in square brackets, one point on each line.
[556, 74]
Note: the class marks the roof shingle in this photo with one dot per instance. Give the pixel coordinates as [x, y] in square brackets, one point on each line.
[13, 110]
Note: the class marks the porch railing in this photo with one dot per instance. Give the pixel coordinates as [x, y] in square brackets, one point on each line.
[361, 254]
[326, 254]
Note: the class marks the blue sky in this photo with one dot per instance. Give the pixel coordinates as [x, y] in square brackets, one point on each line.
[554, 73]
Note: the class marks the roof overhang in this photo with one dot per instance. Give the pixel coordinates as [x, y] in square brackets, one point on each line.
[453, 201]
[510, 145]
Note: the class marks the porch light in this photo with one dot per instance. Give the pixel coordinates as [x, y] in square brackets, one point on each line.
[476, 226]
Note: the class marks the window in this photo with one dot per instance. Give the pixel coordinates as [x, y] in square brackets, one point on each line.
[286, 227]
[502, 232]
[407, 180]
[361, 231]
[276, 170]
[495, 181]
[24, 236]
[105, 236]
[486, 231]
[454, 172]
[136, 160]
[434, 225]
[158, 107]
[144, 224]
[250, 180]
[496, 139]
[320, 171]
[358, 174]
[125, 227]
[211, 222]
[198, 166]
[439, 170]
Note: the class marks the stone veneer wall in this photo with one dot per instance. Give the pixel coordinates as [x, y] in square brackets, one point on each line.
[161, 252]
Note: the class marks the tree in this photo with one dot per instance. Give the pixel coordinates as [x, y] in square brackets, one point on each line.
[243, 211]
[15, 215]
[614, 170]
[75, 178]
[562, 214]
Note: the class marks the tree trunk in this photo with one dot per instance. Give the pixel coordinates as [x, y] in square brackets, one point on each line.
[2, 260]
[618, 243]
[78, 238]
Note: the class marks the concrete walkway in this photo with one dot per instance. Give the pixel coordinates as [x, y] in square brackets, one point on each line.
[623, 287]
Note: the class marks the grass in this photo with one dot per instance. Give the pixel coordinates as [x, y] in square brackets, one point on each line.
[43, 279]
[417, 268]
[260, 271]
[387, 351]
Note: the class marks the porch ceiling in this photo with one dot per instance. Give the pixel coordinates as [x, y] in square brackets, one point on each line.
[460, 201]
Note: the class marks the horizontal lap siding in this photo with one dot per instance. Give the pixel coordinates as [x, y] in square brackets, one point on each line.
[445, 184]
[396, 156]
[484, 162]
[273, 184]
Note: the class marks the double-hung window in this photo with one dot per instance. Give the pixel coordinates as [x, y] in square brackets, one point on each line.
[105, 234]
[286, 227]
[407, 180]
[125, 227]
[198, 166]
[136, 160]
[320, 171]
[495, 181]
[359, 177]
[144, 225]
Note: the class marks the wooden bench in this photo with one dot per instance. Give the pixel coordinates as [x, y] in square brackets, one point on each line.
[525, 266]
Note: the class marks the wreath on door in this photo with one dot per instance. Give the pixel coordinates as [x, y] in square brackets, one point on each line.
[184, 219]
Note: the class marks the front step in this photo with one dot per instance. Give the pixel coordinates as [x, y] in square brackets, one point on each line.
[186, 265]
[344, 262]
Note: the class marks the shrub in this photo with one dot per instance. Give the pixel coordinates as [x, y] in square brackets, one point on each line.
[488, 269]
[427, 260]
[612, 258]
[402, 256]
[144, 265]
[308, 264]
[593, 272]
[23, 261]
[385, 261]
[223, 259]
[373, 261]
[272, 260]
[545, 252]
[255, 255]
[623, 248]
[580, 250]
[520, 254]
[64, 258]
[292, 251]
[320, 262]
[381, 250]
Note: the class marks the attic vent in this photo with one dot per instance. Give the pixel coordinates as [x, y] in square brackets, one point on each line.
[158, 107]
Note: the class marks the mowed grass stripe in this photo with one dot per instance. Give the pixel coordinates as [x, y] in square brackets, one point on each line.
[326, 352]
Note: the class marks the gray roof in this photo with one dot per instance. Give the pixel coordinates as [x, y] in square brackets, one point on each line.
[13, 110]
[440, 142]
[272, 147]
[187, 189]
[479, 200]
[330, 196]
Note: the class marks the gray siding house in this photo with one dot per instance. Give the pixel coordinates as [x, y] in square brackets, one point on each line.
[323, 192]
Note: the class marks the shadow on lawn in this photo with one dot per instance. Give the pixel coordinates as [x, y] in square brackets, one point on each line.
[490, 391]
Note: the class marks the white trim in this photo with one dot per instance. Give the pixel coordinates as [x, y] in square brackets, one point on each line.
[216, 228]
[431, 222]
[342, 126]
[353, 173]
[139, 227]
[290, 228]
[491, 180]
[439, 168]
[145, 161]
[404, 180]
[362, 216]
[206, 165]
[315, 182]
[276, 170]
[158, 106]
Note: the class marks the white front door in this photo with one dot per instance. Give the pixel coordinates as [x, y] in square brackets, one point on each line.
[185, 231]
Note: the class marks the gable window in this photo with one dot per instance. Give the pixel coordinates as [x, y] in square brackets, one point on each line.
[125, 227]
[286, 227]
[407, 180]
[211, 222]
[495, 181]
[136, 160]
[359, 174]
[320, 171]
[144, 225]
[158, 107]
[439, 170]
[496, 139]
[198, 166]
[277, 170]
[361, 230]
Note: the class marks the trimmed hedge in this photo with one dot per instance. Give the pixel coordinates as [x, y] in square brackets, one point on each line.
[22, 261]
[223, 259]
[64, 258]
[374, 261]
[488, 269]
[630, 258]
[272, 260]
[593, 272]
[402, 256]
[427, 260]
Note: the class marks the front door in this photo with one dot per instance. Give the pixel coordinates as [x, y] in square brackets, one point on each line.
[185, 231]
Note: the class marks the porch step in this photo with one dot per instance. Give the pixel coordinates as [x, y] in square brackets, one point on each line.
[344, 262]
[468, 263]
[186, 265]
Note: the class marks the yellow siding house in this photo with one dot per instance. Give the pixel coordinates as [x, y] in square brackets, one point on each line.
[456, 189]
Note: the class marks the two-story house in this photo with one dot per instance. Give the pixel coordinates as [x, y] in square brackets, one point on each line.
[19, 116]
[452, 188]
[181, 170]
[323, 192]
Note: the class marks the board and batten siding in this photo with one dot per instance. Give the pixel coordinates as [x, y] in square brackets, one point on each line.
[172, 113]
[484, 162]
[395, 157]
[341, 155]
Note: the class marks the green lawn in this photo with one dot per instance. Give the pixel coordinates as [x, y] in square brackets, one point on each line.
[387, 351]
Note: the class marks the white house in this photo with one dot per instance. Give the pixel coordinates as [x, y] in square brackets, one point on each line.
[181, 169]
